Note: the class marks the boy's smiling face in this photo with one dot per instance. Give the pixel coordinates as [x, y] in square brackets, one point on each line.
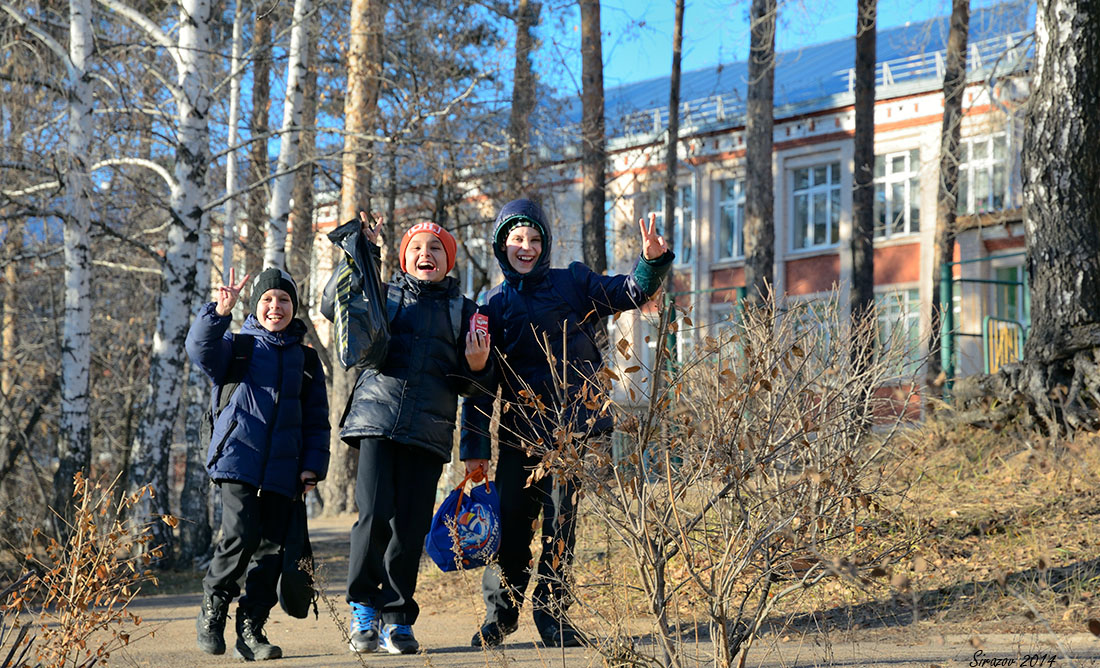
[425, 257]
[275, 310]
[522, 247]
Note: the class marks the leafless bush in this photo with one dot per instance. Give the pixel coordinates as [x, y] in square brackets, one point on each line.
[752, 470]
[76, 597]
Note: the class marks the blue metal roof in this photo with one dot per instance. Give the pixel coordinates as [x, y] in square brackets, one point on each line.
[910, 59]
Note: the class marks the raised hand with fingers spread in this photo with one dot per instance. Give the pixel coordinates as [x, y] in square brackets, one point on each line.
[371, 229]
[228, 294]
[653, 244]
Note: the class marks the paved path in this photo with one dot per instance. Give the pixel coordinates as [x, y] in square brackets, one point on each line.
[444, 631]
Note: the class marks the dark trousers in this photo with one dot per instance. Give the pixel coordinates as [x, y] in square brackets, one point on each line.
[253, 534]
[504, 584]
[395, 492]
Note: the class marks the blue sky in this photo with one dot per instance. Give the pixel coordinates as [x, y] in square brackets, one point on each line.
[638, 33]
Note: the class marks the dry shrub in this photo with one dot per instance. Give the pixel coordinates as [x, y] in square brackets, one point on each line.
[757, 468]
[75, 597]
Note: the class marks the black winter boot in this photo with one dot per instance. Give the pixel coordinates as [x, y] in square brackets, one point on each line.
[210, 624]
[252, 644]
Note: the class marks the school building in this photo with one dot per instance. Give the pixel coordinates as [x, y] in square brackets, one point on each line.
[812, 168]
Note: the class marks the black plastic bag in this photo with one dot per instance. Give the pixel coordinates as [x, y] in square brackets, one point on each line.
[296, 591]
[354, 300]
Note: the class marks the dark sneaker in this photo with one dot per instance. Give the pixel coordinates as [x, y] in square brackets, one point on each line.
[398, 639]
[252, 643]
[210, 624]
[492, 634]
[560, 634]
[364, 628]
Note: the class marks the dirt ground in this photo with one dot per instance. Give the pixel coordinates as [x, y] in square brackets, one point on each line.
[452, 609]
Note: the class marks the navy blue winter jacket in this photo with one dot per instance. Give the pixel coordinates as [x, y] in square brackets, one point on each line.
[268, 433]
[528, 311]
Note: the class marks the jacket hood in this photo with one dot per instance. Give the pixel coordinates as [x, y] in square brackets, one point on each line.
[524, 210]
[294, 332]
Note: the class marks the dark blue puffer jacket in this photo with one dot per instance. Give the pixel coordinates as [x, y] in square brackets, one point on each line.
[267, 434]
[529, 309]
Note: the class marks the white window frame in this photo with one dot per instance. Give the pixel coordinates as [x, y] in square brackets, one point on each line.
[731, 215]
[900, 307]
[890, 186]
[656, 204]
[974, 168]
[831, 190]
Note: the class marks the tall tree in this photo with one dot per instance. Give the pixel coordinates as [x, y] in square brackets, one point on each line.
[863, 187]
[759, 227]
[523, 98]
[278, 210]
[360, 119]
[259, 126]
[191, 95]
[301, 241]
[672, 159]
[236, 72]
[954, 83]
[1061, 172]
[594, 150]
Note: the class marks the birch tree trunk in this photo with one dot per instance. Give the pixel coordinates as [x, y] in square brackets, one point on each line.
[258, 126]
[523, 99]
[75, 444]
[195, 530]
[302, 237]
[759, 225]
[360, 112]
[229, 225]
[278, 210]
[1060, 376]
[594, 153]
[954, 83]
[149, 452]
[862, 305]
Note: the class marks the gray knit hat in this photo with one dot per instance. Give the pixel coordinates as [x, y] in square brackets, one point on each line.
[274, 279]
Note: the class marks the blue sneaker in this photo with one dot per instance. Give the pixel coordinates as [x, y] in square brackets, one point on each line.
[398, 639]
[364, 628]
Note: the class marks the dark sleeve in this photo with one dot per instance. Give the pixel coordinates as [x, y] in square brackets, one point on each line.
[475, 439]
[209, 344]
[315, 426]
[608, 295]
[468, 382]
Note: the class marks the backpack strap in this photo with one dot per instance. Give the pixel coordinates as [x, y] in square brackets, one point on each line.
[456, 317]
[310, 366]
[394, 297]
[238, 368]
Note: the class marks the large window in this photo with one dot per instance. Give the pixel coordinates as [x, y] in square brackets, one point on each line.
[983, 174]
[816, 206]
[683, 223]
[1008, 295]
[731, 215]
[897, 194]
[899, 326]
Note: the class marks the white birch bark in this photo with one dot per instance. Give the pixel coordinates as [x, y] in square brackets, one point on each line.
[278, 210]
[74, 447]
[149, 451]
[229, 226]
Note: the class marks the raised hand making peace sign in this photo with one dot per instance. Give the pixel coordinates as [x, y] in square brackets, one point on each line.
[653, 244]
[229, 294]
[371, 230]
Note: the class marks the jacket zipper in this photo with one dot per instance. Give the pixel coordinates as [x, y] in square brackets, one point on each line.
[274, 417]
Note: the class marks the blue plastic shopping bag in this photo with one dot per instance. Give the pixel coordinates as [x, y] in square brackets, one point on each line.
[465, 531]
